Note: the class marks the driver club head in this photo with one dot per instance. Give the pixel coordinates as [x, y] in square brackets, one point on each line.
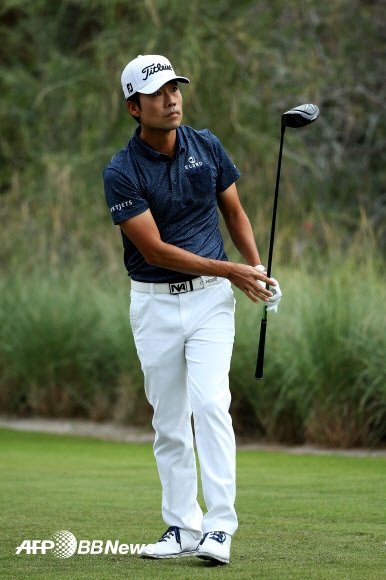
[300, 116]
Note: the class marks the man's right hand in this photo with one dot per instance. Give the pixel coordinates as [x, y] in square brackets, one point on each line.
[247, 279]
[143, 232]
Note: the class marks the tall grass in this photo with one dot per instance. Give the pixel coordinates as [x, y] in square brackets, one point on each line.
[325, 375]
[66, 349]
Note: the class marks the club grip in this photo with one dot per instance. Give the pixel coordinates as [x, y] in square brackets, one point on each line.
[260, 352]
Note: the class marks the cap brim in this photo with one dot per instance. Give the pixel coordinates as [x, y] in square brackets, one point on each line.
[157, 84]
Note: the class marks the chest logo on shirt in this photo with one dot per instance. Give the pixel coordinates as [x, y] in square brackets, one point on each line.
[193, 163]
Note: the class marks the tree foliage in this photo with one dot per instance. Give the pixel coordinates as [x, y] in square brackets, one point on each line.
[248, 61]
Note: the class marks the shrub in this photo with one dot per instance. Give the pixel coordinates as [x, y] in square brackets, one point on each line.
[66, 348]
[325, 378]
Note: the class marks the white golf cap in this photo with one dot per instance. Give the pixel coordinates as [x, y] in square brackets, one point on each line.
[146, 74]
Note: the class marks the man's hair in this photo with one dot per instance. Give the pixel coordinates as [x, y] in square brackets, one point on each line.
[135, 99]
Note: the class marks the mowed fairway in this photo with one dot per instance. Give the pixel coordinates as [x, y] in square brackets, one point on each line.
[301, 517]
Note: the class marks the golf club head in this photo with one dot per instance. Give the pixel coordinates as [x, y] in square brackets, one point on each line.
[300, 116]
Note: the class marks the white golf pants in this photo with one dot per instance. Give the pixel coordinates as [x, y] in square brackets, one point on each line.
[184, 343]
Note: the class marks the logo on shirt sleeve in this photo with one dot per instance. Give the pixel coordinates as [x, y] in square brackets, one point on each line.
[120, 206]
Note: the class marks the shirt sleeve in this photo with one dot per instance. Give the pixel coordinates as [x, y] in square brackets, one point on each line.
[122, 196]
[227, 172]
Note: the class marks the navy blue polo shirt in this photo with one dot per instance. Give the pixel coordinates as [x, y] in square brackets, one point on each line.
[181, 193]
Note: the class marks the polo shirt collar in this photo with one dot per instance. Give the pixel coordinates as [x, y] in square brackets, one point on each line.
[151, 153]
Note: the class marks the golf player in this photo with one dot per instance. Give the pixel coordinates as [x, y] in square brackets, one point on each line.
[163, 190]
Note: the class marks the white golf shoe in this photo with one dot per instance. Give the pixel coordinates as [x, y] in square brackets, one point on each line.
[175, 543]
[215, 546]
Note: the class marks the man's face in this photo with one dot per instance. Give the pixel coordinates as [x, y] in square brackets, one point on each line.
[161, 110]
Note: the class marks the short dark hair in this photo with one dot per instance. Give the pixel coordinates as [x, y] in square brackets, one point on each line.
[135, 99]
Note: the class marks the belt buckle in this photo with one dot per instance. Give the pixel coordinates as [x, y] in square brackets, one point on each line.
[180, 287]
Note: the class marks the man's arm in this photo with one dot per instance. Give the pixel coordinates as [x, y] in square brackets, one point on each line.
[143, 232]
[238, 225]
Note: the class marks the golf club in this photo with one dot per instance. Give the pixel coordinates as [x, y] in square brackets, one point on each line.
[297, 117]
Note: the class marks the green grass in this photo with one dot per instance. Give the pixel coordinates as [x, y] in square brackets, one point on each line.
[302, 517]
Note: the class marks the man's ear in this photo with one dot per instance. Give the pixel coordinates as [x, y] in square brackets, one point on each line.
[133, 108]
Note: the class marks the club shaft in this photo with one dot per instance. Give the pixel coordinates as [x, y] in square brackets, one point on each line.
[263, 327]
[274, 211]
[260, 353]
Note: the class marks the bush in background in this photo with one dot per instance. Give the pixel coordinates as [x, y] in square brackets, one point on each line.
[65, 345]
[325, 377]
[62, 111]
[66, 349]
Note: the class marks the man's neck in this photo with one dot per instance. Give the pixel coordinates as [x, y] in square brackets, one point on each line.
[162, 141]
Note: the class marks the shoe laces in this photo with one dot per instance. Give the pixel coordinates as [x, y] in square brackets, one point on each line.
[170, 532]
[219, 537]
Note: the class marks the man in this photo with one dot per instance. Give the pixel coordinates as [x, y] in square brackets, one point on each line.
[163, 189]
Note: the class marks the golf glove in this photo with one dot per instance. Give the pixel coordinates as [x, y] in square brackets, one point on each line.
[277, 294]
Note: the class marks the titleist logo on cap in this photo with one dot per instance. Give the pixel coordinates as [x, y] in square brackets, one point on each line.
[146, 74]
[154, 68]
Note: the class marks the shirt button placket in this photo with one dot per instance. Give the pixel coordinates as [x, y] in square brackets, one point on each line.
[173, 177]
